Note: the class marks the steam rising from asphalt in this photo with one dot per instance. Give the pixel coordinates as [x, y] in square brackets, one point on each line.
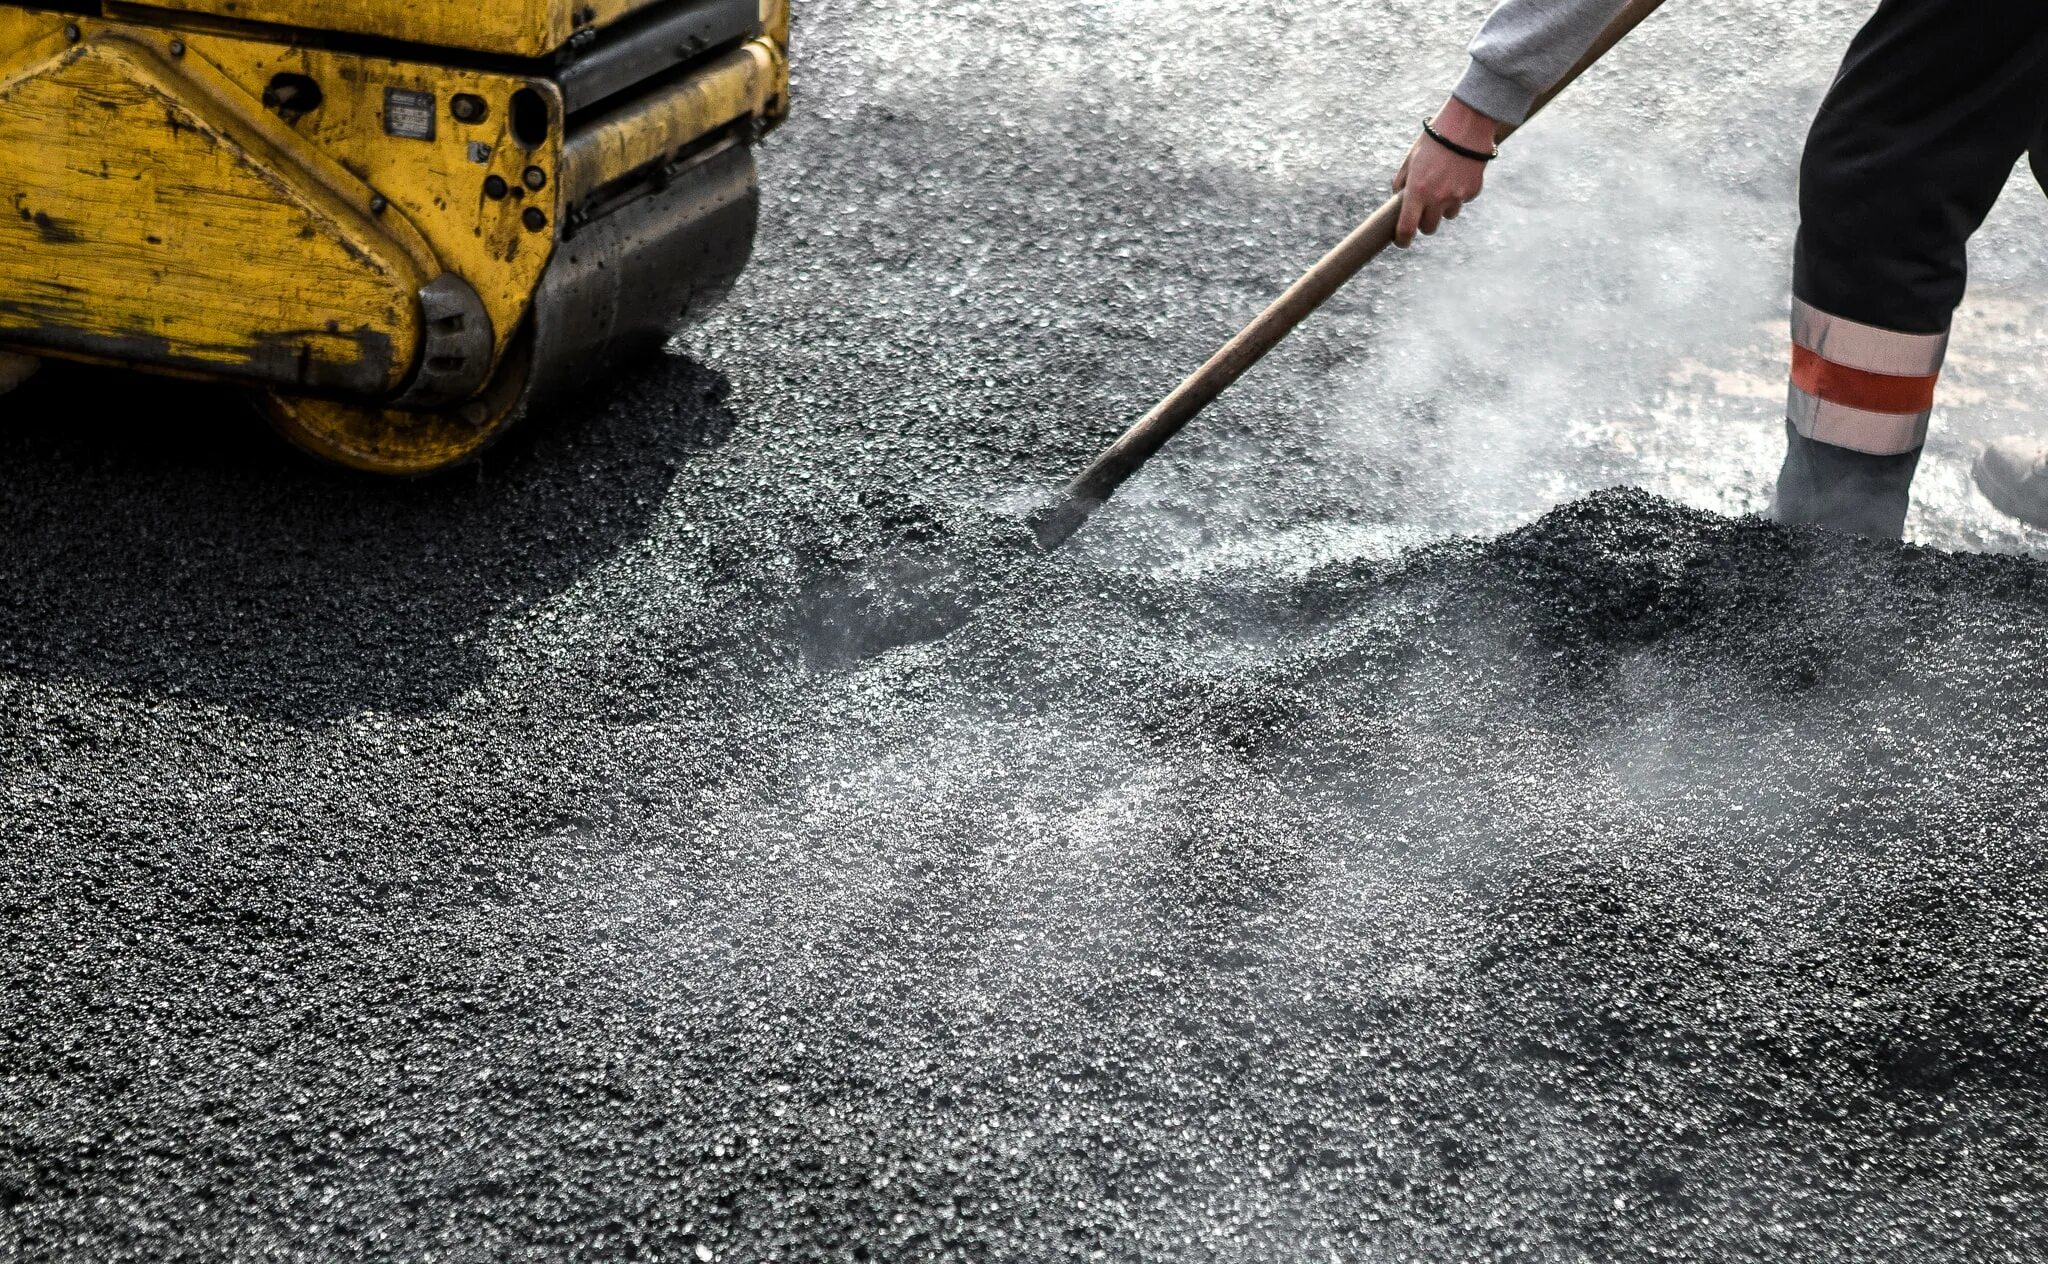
[1118, 813]
[1613, 311]
[709, 839]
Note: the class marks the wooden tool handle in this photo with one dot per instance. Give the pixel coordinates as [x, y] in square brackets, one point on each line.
[1096, 484]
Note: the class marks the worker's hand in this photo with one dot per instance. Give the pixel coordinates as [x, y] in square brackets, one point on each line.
[1437, 183]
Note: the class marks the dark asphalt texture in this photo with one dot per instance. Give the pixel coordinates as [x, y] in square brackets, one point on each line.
[702, 832]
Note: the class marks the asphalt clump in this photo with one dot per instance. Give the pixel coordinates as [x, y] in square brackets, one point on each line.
[1640, 884]
[705, 831]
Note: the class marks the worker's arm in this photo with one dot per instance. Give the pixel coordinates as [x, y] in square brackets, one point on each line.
[1521, 52]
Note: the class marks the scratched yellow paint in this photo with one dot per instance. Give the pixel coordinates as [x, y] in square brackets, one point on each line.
[169, 219]
[753, 80]
[391, 441]
[149, 222]
[21, 27]
[523, 28]
[437, 185]
[775, 22]
[739, 84]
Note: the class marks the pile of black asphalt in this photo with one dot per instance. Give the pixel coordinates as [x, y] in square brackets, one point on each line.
[847, 883]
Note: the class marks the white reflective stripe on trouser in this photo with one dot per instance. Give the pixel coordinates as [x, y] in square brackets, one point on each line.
[1861, 387]
[1855, 345]
[1859, 430]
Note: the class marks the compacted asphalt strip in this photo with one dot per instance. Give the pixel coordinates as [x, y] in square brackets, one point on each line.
[704, 831]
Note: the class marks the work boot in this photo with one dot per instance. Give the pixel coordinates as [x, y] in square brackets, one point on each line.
[1843, 489]
[2013, 475]
[16, 369]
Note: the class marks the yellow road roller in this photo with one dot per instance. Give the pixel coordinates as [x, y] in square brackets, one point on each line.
[401, 224]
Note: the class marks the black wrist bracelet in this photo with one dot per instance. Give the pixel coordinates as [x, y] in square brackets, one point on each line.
[1429, 130]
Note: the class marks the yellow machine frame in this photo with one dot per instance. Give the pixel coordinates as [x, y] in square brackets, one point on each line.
[170, 212]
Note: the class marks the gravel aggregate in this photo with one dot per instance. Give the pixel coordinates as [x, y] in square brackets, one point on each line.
[705, 831]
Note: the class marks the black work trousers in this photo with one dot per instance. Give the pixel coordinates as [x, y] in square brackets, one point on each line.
[1935, 104]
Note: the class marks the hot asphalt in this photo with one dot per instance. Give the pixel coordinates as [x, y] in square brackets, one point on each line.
[704, 832]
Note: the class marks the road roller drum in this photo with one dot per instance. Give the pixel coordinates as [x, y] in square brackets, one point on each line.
[402, 225]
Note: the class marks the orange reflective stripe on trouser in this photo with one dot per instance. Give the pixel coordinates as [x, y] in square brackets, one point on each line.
[1861, 387]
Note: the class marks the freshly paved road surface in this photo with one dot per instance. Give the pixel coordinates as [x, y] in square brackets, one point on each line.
[701, 834]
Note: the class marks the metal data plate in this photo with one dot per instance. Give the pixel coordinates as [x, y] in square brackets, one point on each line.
[408, 115]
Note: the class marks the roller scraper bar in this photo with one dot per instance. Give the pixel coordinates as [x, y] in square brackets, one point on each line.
[1090, 489]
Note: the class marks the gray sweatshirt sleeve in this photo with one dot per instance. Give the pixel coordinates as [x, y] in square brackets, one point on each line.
[1525, 48]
